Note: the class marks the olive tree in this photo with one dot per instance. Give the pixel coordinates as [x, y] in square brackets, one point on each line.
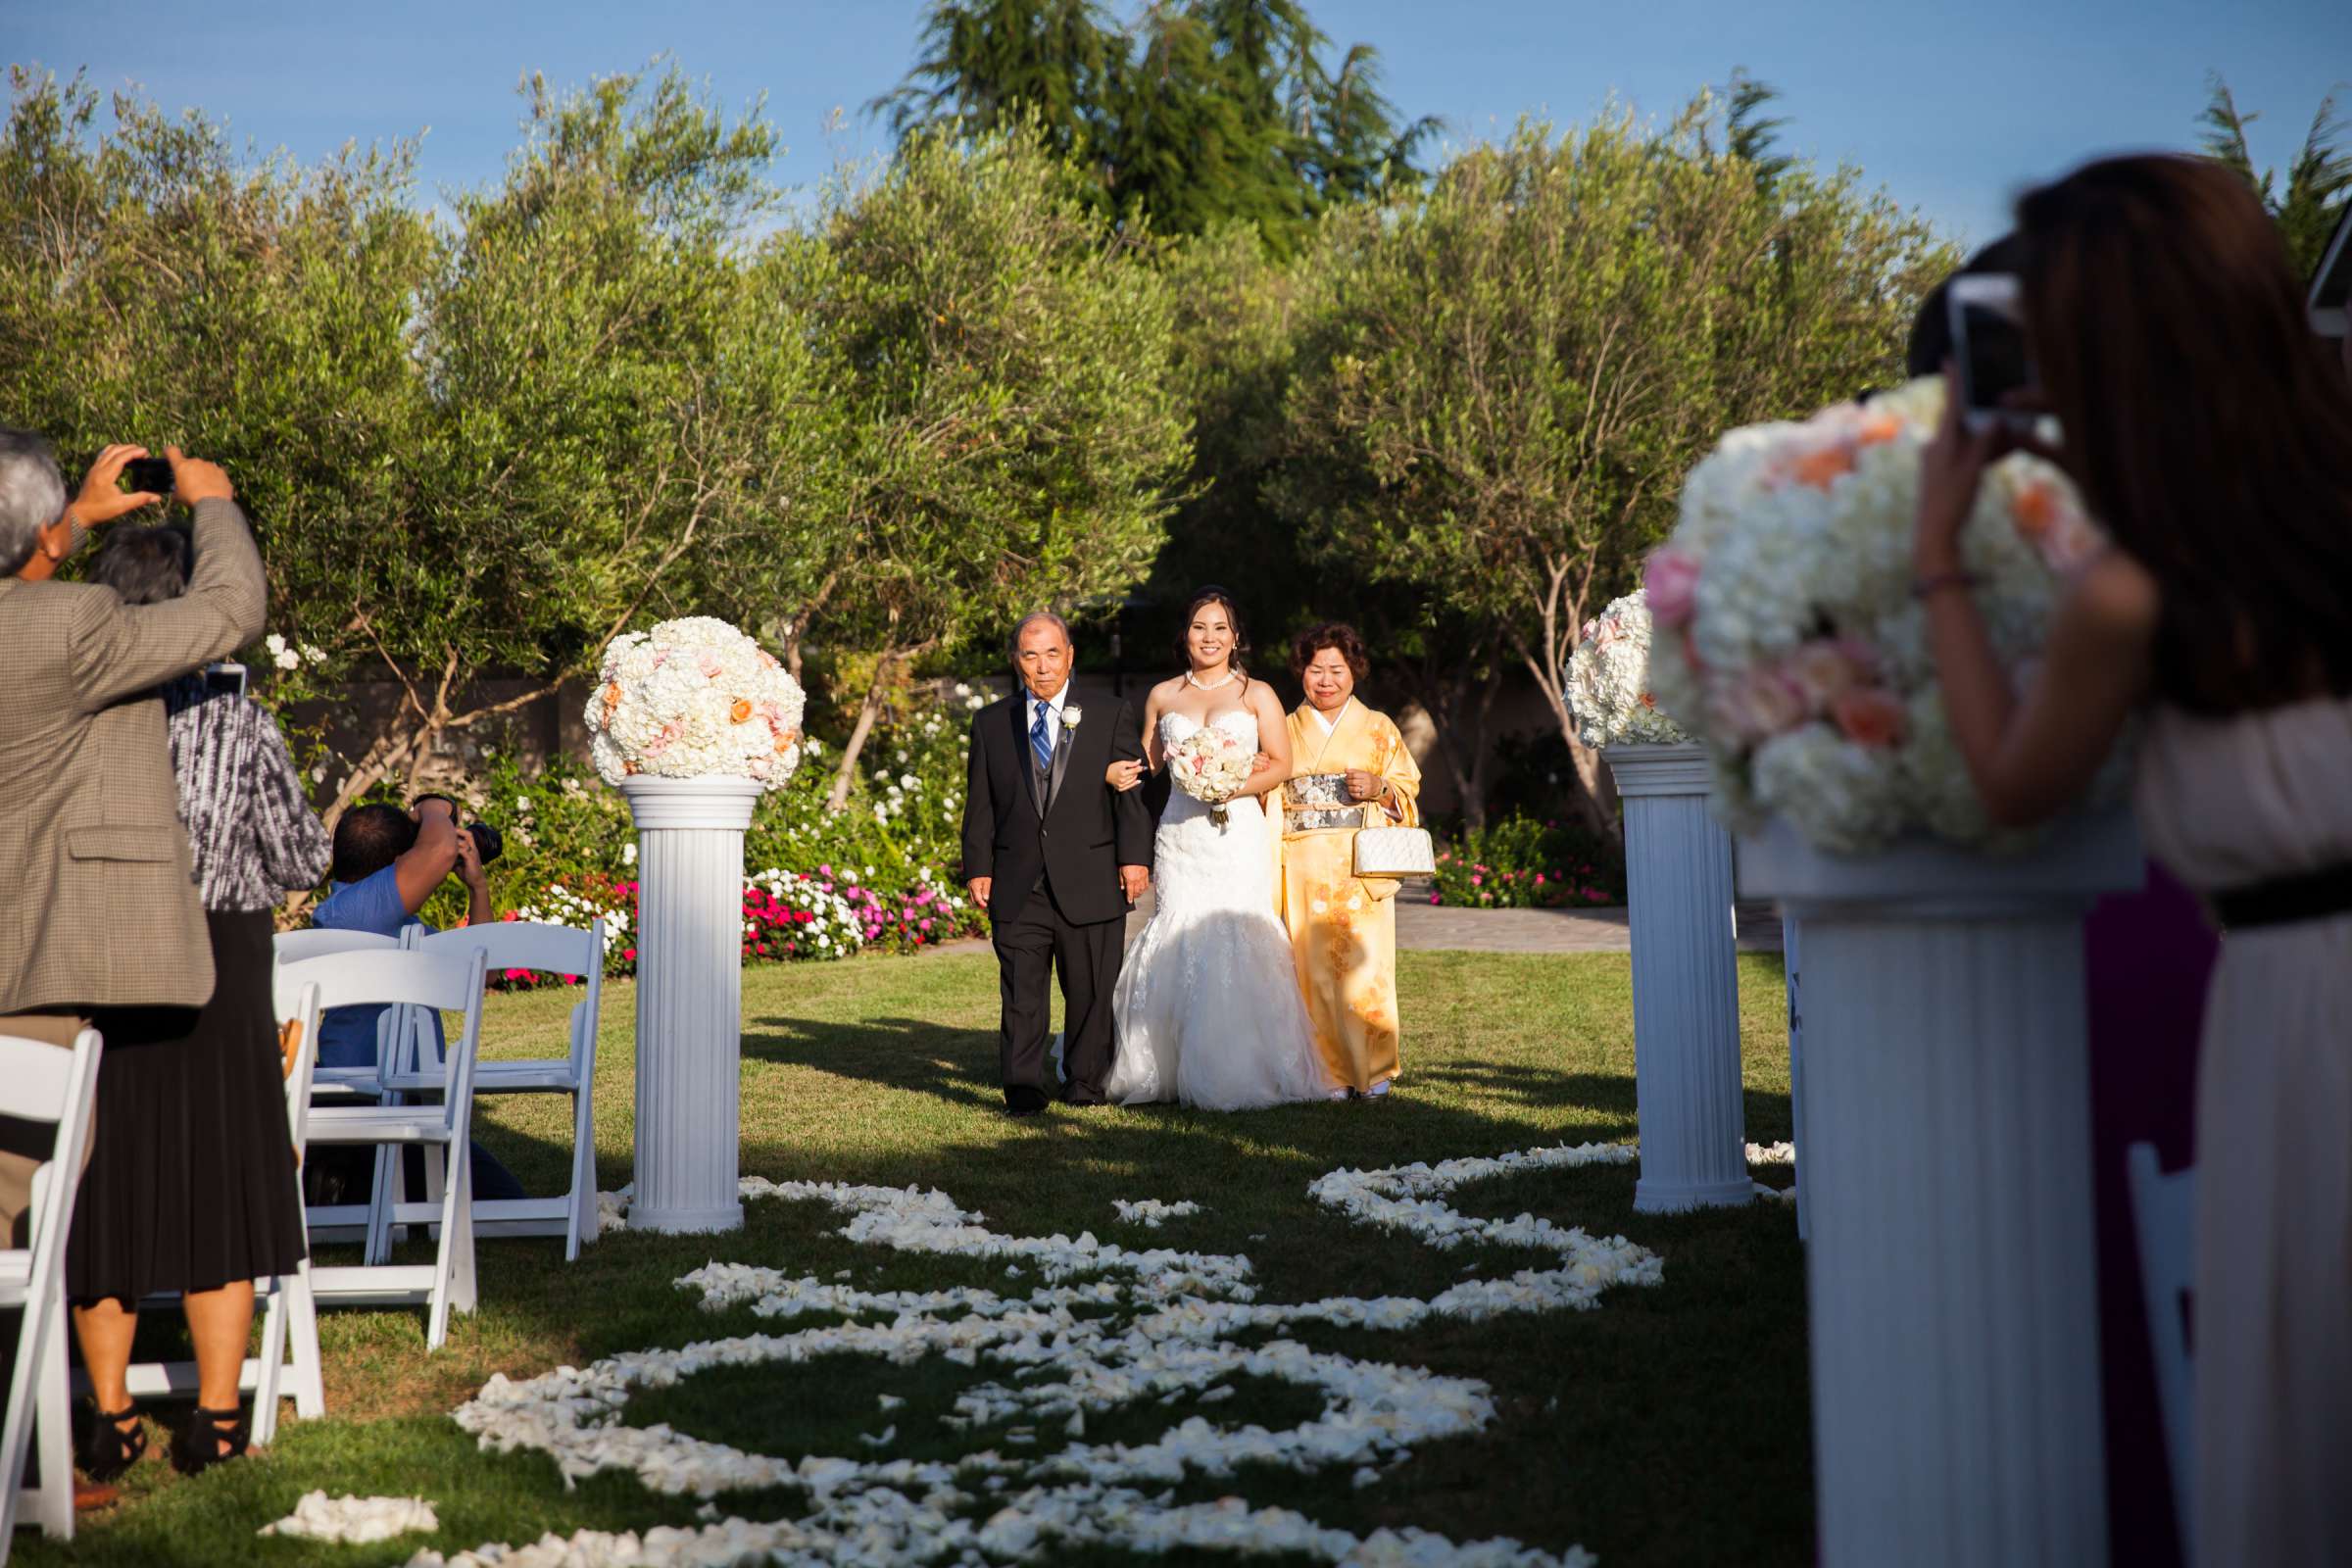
[1519, 368]
[1013, 420]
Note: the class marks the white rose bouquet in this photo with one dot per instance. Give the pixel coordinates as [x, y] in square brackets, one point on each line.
[1788, 638]
[1210, 765]
[1608, 681]
[694, 699]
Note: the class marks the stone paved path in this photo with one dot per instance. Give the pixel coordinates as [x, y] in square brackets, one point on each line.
[1422, 928]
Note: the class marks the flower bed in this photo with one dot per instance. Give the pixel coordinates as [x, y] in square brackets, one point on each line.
[878, 875]
[1522, 863]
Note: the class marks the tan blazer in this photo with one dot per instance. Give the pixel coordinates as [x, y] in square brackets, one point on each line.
[101, 910]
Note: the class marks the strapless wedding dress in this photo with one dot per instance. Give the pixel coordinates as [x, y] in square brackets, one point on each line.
[1207, 1004]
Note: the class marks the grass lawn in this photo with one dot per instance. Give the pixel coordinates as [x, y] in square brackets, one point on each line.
[1668, 1426]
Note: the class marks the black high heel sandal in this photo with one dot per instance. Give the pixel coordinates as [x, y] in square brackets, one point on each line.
[208, 1437]
[105, 1450]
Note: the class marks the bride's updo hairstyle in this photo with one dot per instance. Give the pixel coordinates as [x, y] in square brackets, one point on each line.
[1215, 595]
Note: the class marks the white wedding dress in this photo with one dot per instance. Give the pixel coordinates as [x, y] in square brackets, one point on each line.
[1207, 1003]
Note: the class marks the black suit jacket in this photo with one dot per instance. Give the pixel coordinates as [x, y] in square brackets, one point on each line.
[1087, 830]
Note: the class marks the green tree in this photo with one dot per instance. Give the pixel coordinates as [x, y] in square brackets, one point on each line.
[471, 452]
[1522, 367]
[1201, 112]
[1017, 434]
[2310, 201]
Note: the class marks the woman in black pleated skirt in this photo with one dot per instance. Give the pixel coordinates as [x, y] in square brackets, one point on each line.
[191, 1184]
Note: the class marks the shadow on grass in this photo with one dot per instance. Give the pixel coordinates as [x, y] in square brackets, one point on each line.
[1668, 1426]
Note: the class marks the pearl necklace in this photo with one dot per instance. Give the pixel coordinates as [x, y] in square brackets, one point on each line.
[1194, 680]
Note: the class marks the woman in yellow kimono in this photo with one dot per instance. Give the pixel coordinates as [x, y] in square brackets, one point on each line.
[1349, 770]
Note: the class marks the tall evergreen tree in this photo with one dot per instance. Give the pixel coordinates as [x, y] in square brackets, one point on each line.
[2318, 185]
[1201, 112]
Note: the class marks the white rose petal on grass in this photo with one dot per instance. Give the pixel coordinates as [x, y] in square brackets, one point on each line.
[1150, 1211]
[1168, 1333]
[355, 1520]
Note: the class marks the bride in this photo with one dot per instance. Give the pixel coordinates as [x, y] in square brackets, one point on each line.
[1207, 1004]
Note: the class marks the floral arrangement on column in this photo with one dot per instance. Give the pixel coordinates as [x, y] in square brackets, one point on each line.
[1789, 640]
[1608, 681]
[694, 698]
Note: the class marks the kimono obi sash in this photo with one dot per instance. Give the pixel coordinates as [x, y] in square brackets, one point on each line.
[1316, 802]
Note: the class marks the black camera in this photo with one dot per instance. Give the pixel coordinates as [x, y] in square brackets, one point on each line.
[488, 842]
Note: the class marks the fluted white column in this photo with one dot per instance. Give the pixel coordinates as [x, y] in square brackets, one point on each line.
[1685, 983]
[689, 1000]
[1949, 1270]
[1792, 967]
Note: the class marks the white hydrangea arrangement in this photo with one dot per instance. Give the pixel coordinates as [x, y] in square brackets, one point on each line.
[1789, 640]
[694, 698]
[1608, 681]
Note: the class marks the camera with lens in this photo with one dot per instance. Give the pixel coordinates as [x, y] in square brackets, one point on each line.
[488, 842]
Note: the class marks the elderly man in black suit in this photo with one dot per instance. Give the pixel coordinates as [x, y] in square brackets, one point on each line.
[1056, 857]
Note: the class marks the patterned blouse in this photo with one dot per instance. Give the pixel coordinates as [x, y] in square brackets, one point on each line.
[249, 821]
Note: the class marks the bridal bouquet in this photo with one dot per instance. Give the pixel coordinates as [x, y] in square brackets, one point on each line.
[694, 699]
[1791, 643]
[1608, 681]
[1210, 765]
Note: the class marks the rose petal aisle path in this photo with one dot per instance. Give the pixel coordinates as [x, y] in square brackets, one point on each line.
[1430, 1330]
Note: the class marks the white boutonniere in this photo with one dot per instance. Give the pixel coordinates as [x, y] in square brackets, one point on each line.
[1071, 715]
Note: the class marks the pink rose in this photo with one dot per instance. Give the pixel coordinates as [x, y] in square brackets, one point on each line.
[1671, 584]
[1758, 706]
[1870, 716]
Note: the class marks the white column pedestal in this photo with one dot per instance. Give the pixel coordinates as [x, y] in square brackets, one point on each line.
[689, 1000]
[1950, 1270]
[1686, 984]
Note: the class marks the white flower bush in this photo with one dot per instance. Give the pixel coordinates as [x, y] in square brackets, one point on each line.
[1786, 637]
[1117, 1326]
[568, 908]
[694, 698]
[1608, 681]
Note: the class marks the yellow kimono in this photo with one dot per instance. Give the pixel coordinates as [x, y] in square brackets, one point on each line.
[1343, 930]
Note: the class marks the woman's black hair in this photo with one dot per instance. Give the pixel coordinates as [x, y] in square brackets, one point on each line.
[1932, 329]
[145, 565]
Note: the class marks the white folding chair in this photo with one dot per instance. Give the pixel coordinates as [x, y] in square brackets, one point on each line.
[300, 947]
[419, 981]
[290, 1318]
[40, 1083]
[2164, 1215]
[543, 950]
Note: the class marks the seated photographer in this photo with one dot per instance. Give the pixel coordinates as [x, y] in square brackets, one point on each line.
[387, 862]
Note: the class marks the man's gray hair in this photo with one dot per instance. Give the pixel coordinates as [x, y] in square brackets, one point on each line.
[1014, 648]
[33, 494]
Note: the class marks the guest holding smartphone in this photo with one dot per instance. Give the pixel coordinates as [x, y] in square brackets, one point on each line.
[2216, 447]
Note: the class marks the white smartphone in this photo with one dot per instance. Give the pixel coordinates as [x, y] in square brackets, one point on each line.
[225, 679]
[1989, 343]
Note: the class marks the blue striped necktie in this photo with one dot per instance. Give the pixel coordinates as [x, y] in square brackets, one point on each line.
[1041, 738]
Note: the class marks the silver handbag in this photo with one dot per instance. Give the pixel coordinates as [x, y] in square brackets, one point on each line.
[1395, 852]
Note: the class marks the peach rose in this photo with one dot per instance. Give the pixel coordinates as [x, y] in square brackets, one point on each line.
[738, 710]
[1870, 716]
[1824, 670]
[1669, 583]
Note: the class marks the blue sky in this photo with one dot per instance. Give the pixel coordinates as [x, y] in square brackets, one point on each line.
[1951, 112]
